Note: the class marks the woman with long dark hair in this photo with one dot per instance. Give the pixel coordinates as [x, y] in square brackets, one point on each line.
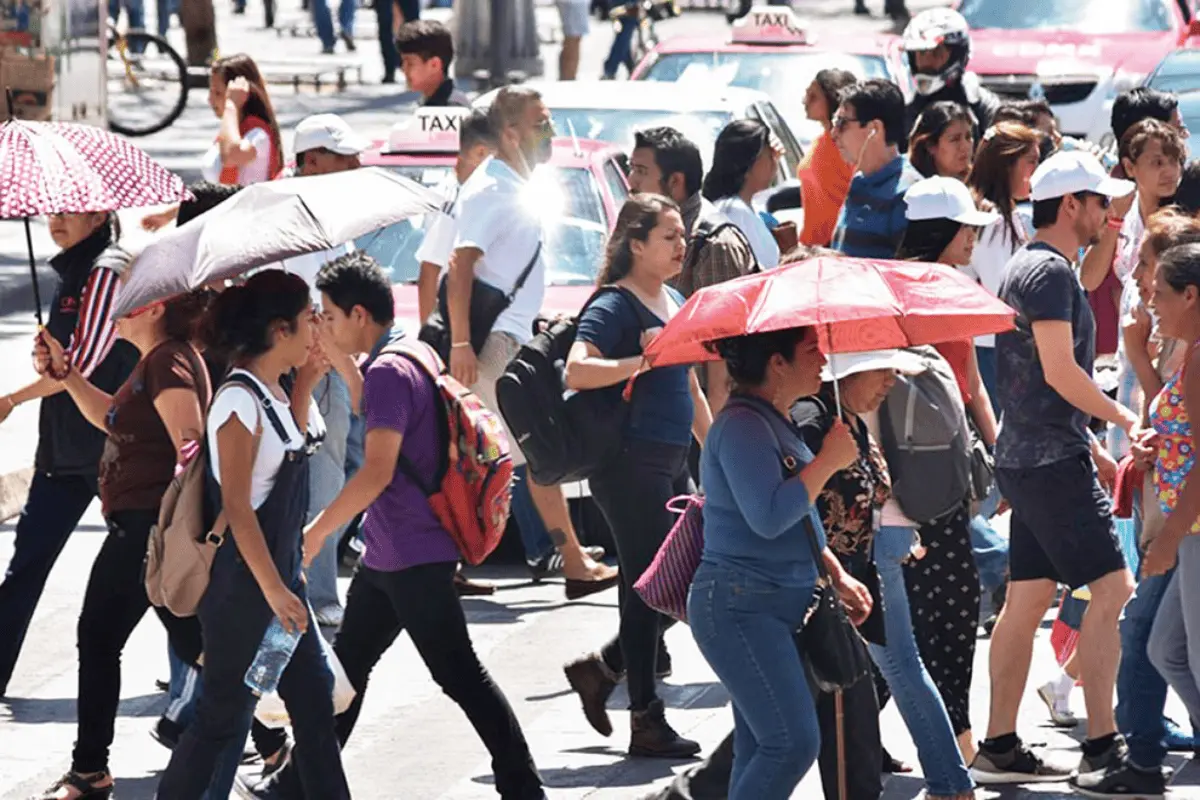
[943, 224]
[824, 175]
[745, 162]
[258, 456]
[667, 409]
[248, 148]
[150, 420]
[1004, 164]
[943, 141]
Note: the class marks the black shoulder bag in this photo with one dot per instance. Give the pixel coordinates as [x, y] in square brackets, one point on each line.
[487, 304]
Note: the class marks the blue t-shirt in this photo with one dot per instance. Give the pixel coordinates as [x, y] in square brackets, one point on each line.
[1038, 426]
[875, 215]
[661, 407]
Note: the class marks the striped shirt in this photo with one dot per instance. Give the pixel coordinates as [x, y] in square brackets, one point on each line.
[873, 221]
[95, 329]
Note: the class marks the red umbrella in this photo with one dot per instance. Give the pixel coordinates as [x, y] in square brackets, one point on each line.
[856, 304]
[67, 168]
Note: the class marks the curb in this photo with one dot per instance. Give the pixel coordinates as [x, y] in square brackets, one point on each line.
[14, 487]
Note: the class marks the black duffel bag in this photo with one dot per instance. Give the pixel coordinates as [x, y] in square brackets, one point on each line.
[565, 435]
[487, 304]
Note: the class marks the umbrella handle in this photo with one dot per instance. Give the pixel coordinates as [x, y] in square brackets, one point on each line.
[37, 292]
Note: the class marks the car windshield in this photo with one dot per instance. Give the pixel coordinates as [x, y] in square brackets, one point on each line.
[1180, 72]
[574, 221]
[778, 74]
[1189, 111]
[1084, 16]
[617, 125]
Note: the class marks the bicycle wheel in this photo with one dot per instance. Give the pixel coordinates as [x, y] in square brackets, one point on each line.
[147, 83]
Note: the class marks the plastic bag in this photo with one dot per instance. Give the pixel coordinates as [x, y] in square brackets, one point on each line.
[272, 712]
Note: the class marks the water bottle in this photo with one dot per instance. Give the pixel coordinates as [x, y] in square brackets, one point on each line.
[272, 658]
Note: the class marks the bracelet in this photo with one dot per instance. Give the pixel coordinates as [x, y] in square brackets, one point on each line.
[457, 345]
[60, 376]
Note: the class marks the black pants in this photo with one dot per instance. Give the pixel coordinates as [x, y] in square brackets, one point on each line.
[234, 620]
[113, 604]
[709, 780]
[52, 511]
[633, 493]
[422, 600]
[385, 17]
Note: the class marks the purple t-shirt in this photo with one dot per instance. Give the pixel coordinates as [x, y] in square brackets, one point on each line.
[400, 529]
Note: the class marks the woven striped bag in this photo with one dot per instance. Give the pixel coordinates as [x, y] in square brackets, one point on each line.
[665, 583]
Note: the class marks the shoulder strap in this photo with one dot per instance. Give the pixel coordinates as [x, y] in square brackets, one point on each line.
[524, 276]
[264, 402]
[645, 317]
[428, 361]
[203, 383]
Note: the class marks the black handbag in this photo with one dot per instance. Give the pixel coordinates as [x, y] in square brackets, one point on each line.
[830, 646]
[487, 304]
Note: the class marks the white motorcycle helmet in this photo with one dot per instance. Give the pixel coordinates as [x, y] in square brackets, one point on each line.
[927, 30]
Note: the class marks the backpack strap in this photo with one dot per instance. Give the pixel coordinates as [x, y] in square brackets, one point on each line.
[264, 403]
[524, 276]
[428, 361]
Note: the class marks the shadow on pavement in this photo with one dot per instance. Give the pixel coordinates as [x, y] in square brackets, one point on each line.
[36, 711]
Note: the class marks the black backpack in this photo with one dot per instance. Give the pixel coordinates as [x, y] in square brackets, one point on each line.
[565, 435]
[926, 440]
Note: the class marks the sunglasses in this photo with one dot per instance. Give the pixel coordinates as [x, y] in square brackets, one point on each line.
[1105, 200]
[840, 122]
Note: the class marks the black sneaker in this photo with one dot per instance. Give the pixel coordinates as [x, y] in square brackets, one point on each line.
[551, 563]
[1113, 756]
[1123, 780]
[1018, 765]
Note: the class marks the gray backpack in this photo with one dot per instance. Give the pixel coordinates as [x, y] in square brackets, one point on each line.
[926, 441]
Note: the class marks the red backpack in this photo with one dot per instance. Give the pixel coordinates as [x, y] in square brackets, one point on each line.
[472, 487]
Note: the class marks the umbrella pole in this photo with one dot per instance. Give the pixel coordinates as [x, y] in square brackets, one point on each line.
[37, 292]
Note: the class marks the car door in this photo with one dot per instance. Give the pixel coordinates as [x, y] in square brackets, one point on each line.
[766, 113]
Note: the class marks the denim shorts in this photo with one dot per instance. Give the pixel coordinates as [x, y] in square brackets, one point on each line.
[1062, 524]
[574, 15]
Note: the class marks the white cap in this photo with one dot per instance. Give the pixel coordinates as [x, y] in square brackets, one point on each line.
[843, 365]
[1068, 172]
[328, 132]
[945, 198]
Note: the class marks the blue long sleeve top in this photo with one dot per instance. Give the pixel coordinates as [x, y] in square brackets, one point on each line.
[753, 509]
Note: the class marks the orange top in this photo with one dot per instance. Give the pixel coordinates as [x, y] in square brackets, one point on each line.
[958, 354]
[824, 183]
[229, 173]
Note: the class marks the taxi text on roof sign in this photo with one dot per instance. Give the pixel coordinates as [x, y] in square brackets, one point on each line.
[428, 130]
[770, 25]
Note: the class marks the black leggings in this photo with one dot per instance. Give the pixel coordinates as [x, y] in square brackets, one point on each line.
[633, 493]
[113, 604]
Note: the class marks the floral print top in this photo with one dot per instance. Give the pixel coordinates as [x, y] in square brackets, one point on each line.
[1176, 453]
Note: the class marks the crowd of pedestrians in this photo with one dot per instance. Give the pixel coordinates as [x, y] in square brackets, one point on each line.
[321, 420]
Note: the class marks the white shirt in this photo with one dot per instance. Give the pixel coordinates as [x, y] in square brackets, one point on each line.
[256, 171]
[1129, 242]
[992, 253]
[762, 242]
[497, 216]
[237, 400]
[891, 515]
[441, 227]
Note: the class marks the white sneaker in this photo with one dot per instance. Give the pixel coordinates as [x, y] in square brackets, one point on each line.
[1059, 706]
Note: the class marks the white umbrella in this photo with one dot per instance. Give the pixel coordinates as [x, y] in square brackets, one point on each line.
[268, 222]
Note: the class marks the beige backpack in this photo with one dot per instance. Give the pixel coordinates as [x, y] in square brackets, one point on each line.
[181, 549]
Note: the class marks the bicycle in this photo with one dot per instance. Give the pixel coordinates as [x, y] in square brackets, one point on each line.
[645, 37]
[142, 66]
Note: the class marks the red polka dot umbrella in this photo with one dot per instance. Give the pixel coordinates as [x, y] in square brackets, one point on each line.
[66, 168]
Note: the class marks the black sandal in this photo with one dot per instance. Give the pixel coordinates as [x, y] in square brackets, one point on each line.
[73, 780]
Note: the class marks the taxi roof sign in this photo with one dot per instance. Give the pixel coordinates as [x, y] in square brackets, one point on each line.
[428, 130]
[770, 25]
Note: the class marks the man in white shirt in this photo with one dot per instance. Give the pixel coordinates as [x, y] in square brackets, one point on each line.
[498, 241]
[325, 144]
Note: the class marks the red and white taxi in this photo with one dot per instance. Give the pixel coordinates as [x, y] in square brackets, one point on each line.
[579, 192]
[772, 51]
[1077, 54]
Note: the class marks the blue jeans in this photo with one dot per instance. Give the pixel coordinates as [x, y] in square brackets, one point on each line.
[986, 356]
[916, 696]
[326, 477]
[622, 47]
[991, 554]
[165, 8]
[323, 20]
[744, 626]
[1141, 690]
[529, 521]
[184, 690]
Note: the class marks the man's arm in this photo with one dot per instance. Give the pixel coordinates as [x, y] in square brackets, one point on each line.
[459, 280]
[1056, 351]
[427, 290]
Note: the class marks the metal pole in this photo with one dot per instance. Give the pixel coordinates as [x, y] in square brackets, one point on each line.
[37, 292]
[500, 42]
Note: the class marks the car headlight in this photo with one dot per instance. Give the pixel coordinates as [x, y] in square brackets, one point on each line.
[1123, 81]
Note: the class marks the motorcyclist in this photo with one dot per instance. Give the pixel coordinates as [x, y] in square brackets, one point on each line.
[938, 44]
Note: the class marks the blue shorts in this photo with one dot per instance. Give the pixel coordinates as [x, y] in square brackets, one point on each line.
[575, 17]
[1062, 524]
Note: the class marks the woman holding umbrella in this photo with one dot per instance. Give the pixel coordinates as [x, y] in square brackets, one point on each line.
[68, 452]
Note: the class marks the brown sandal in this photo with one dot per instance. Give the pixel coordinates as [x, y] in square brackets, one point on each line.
[87, 791]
